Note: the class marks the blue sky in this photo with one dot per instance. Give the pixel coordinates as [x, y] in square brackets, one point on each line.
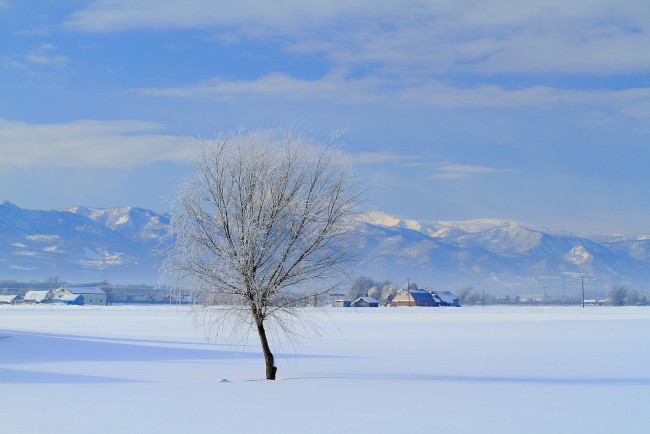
[534, 111]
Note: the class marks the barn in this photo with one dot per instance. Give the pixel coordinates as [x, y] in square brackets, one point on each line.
[413, 297]
[38, 296]
[9, 299]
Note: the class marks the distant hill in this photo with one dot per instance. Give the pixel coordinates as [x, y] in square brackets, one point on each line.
[502, 256]
[119, 244]
[80, 244]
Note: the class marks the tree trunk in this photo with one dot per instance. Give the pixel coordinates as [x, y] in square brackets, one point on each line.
[268, 356]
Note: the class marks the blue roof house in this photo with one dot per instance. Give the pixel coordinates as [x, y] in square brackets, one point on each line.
[90, 295]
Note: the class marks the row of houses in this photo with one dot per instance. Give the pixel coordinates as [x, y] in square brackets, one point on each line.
[407, 297]
[73, 296]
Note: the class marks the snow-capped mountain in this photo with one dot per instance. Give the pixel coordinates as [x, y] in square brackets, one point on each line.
[501, 256]
[80, 244]
[120, 244]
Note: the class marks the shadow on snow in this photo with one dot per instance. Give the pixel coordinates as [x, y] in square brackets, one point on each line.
[30, 347]
[491, 379]
[19, 376]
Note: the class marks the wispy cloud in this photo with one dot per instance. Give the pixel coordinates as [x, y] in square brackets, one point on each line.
[33, 32]
[9, 63]
[290, 15]
[42, 56]
[333, 87]
[430, 92]
[502, 36]
[454, 171]
[382, 158]
[88, 143]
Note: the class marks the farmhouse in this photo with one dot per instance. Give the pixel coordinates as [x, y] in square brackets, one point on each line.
[413, 297]
[365, 302]
[9, 299]
[342, 303]
[38, 296]
[446, 298]
[92, 295]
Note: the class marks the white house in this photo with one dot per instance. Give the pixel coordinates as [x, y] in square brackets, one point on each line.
[93, 295]
[38, 296]
[9, 299]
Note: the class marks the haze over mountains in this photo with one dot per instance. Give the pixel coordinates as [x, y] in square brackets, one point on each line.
[120, 244]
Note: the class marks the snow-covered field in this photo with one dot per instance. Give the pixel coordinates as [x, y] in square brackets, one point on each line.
[129, 369]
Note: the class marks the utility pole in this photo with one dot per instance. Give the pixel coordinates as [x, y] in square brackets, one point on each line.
[408, 290]
[483, 299]
[583, 291]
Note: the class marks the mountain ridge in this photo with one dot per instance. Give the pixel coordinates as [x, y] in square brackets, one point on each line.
[84, 243]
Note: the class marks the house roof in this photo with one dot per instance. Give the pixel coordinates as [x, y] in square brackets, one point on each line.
[86, 290]
[8, 298]
[420, 295]
[35, 295]
[68, 297]
[446, 297]
[367, 299]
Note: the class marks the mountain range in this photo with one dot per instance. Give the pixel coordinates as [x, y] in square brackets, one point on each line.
[503, 257]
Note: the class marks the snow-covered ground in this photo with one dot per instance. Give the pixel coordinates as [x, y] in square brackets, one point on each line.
[129, 369]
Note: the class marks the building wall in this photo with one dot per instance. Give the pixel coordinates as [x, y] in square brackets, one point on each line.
[364, 303]
[89, 299]
[403, 296]
[413, 303]
[58, 293]
[95, 299]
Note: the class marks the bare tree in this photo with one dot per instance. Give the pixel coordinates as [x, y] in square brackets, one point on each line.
[387, 293]
[260, 229]
[632, 298]
[618, 294]
[374, 292]
[360, 287]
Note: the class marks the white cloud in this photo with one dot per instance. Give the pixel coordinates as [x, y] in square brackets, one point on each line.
[290, 15]
[431, 92]
[88, 143]
[9, 63]
[455, 171]
[499, 36]
[42, 56]
[381, 158]
[331, 87]
[437, 93]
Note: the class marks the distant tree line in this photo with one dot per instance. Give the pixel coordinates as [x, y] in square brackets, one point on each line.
[624, 296]
[384, 291]
[381, 290]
